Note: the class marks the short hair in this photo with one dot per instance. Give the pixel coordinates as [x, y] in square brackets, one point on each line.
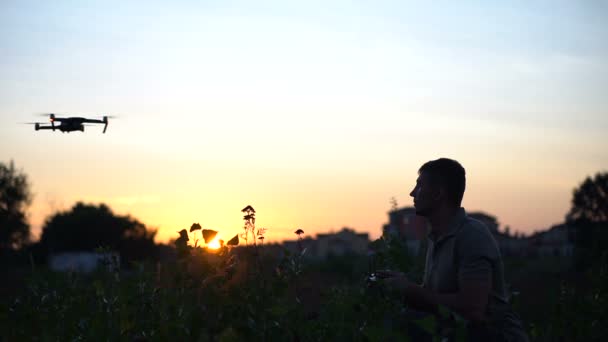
[448, 174]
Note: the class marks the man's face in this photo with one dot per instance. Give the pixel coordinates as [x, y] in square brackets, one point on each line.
[425, 195]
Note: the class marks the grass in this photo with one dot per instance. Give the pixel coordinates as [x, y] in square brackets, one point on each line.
[259, 292]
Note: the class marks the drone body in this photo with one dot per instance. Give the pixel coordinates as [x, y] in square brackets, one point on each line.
[70, 124]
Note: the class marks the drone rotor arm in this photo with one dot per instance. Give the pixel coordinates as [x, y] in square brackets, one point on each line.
[93, 121]
[39, 127]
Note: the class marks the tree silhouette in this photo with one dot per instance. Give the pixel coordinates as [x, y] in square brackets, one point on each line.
[588, 219]
[590, 200]
[86, 227]
[14, 199]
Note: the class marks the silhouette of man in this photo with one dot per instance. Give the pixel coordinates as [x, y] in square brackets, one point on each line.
[463, 270]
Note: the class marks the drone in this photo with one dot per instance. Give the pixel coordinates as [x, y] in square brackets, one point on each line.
[69, 124]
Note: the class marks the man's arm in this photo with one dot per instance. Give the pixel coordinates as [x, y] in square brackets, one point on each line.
[476, 254]
[470, 301]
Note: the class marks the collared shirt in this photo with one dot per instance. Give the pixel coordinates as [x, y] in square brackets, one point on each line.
[467, 251]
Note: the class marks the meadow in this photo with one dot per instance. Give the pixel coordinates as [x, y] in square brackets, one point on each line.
[248, 290]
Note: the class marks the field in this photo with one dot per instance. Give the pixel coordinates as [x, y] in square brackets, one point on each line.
[269, 293]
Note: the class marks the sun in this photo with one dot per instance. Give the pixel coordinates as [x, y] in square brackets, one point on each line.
[214, 244]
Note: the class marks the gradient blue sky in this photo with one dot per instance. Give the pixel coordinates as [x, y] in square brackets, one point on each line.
[315, 113]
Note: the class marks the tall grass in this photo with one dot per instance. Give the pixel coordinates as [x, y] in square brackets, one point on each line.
[245, 290]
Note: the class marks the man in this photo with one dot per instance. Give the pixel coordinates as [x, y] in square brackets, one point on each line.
[464, 270]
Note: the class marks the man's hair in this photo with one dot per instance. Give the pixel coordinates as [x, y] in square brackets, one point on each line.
[449, 175]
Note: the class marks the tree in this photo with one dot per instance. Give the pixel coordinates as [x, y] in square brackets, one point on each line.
[588, 219]
[590, 200]
[86, 227]
[15, 197]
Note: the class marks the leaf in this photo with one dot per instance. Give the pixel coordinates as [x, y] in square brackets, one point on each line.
[299, 231]
[261, 238]
[181, 244]
[428, 324]
[183, 234]
[443, 311]
[195, 226]
[234, 241]
[247, 209]
[229, 335]
[279, 310]
[208, 235]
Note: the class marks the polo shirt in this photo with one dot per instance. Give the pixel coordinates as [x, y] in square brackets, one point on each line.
[468, 251]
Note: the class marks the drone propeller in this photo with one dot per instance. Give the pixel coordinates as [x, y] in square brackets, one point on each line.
[106, 117]
[36, 124]
[50, 114]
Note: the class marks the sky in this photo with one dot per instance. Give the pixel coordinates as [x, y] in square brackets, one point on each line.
[316, 113]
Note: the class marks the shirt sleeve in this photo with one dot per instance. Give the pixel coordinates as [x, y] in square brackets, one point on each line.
[477, 253]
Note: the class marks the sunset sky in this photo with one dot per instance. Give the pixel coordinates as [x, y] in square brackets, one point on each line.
[316, 113]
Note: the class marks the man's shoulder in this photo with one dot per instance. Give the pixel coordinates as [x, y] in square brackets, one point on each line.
[474, 228]
[475, 235]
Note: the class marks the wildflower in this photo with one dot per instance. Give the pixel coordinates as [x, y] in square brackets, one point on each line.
[183, 235]
[195, 226]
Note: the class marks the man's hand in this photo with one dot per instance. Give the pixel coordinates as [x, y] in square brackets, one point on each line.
[384, 274]
[394, 281]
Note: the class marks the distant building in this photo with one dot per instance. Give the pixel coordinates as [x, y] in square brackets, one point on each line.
[344, 242]
[404, 223]
[83, 262]
[553, 242]
[556, 241]
[509, 245]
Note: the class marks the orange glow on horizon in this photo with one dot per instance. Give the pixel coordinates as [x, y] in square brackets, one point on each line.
[214, 244]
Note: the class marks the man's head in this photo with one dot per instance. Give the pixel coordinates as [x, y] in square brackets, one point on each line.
[440, 183]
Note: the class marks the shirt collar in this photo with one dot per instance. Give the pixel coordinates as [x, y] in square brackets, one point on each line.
[452, 228]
